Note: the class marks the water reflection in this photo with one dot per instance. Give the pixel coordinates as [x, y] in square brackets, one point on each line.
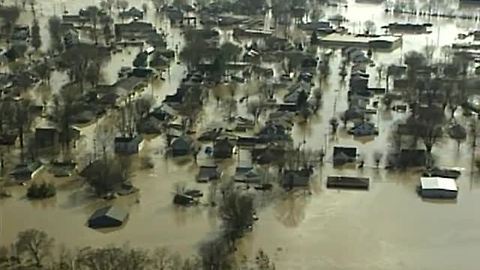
[290, 210]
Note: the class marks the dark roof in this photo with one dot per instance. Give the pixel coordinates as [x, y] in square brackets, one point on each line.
[223, 145]
[91, 169]
[207, 173]
[347, 182]
[348, 151]
[25, 169]
[182, 143]
[137, 139]
[296, 178]
[112, 212]
[183, 199]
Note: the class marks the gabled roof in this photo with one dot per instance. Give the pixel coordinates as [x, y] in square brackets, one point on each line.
[111, 212]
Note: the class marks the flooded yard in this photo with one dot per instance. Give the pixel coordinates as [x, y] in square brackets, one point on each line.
[387, 227]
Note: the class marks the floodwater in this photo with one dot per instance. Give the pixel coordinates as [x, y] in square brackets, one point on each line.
[387, 227]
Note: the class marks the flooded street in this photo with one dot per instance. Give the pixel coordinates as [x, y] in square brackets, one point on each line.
[387, 227]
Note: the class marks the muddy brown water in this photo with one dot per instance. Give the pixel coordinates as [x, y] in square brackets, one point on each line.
[387, 227]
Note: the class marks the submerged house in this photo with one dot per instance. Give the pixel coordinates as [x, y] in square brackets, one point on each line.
[296, 178]
[184, 200]
[343, 155]
[49, 136]
[223, 148]
[8, 139]
[63, 168]
[128, 144]
[26, 171]
[265, 154]
[274, 132]
[247, 174]
[243, 124]
[363, 129]
[409, 158]
[134, 30]
[181, 146]
[133, 12]
[71, 38]
[348, 182]
[107, 217]
[21, 32]
[46, 136]
[208, 173]
[457, 132]
[150, 125]
[438, 188]
[210, 135]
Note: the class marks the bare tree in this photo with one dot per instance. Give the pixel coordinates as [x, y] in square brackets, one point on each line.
[106, 22]
[23, 118]
[123, 5]
[143, 106]
[158, 4]
[93, 74]
[369, 27]
[35, 245]
[162, 258]
[236, 211]
[79, 58]
[427, 126]
[113, 258]
[230, 105]
[93, 14]
[334, 125]
[255, 108]
[263, 262]
[377, 157]
[414, 61]
[215, 254]
[316, 14]
[55, 30]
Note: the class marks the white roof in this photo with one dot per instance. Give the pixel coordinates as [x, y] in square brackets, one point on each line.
[336, 37]
[438, 183]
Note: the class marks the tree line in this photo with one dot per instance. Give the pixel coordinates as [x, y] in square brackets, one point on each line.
[34, 249]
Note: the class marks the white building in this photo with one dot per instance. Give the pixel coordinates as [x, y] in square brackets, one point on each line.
[438, 188]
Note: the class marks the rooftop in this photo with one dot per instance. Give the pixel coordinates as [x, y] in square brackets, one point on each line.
[438, 183]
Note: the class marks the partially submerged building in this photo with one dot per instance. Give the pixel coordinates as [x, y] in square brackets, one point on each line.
[223, 148]
[296, 178]
[128, 144]
[343, 155]
[348, 182]
[181, 146]
[26, 171]
[107, 217]
[438, 188]
[208, 173]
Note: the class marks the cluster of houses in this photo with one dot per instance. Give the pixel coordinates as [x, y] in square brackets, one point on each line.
[359, 95]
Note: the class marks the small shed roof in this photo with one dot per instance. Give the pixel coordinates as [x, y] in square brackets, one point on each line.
[438, 183]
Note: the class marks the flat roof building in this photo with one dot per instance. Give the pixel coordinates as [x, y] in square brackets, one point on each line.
[438, 188]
